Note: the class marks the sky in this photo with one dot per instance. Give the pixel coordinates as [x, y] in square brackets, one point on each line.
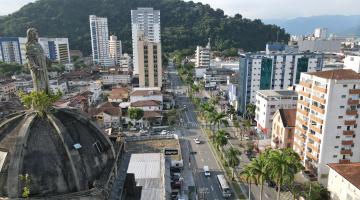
[262, 9]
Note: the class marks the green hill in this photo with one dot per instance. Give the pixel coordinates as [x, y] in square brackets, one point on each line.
[183, 24]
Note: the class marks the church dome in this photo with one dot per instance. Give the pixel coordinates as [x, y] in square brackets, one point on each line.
[61, 152]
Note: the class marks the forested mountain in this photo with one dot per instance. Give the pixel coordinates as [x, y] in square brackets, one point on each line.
[183, 24]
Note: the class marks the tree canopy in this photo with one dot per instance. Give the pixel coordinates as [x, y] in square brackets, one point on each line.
[183, 24]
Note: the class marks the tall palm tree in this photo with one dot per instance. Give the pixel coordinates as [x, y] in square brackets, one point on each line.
[220, 119]
[260, 169]
[220, 139]
[250, 111]
[246, 126]
[232, 159]
[283, 165]
[250, 177]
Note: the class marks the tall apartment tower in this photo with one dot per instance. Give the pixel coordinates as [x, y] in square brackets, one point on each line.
[10, 50]
[320, 33]
[144, 21]
[202, 56]
[327, 120]
[115, 49]
[149, 62]
[275, 71]
[100, 40]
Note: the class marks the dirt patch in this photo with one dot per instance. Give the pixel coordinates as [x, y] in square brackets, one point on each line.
[154, 146]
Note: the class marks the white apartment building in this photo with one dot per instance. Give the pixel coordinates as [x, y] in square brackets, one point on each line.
[58, 86]
[100, 41]
[344, 182]
[125, 63]
[275, 71]
[268, 102]
[116, 79]
[12, 49]
[352, 62]
[115, 49]
[327, 120]
[202, 56]
[95, 88]
[320, 33]
[144, 21]
[145, 95]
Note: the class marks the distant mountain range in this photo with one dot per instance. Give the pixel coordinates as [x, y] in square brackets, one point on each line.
[338, 24]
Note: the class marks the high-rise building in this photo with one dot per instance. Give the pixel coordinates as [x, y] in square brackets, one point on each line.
[202, 56]
[327, 120]
[100, 41]
[320, 33]
[149, 62]
[144, 21]
[115, 49]
[12, 49]
[277, 71]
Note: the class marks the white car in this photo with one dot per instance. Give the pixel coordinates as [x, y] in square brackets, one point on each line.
[163, 132]
[197, 141]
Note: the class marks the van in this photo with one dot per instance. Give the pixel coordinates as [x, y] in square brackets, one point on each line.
[206, 171]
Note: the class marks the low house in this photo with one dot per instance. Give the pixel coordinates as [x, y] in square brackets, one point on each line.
[118, 95]
[107, 114]
[283, 128]
[344, 181]
[7, 90]
[147, 105]
[142, 95]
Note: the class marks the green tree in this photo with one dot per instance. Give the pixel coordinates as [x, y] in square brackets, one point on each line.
[315, 191]
[136, 113]
[232, 159]
[220, 139]
[219, 118]
[246, 126]
[260, 168]
[283, 165]
[250, 111]
[39, 102]
[250, 177]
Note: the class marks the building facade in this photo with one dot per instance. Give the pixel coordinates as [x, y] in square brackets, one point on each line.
[12, 49]
[149, 63]
[100, 41]
[283, 128]
[115, 49]
[202, 56]
[144, 21]
[268, 102]
[259, 71]
[327, 120]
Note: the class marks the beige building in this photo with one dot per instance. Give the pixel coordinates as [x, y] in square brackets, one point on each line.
[115, 49]
[149, 62]
[344, 181]
[283, 128]
[327, 120]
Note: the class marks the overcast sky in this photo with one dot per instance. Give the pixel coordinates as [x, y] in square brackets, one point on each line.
[263, 9]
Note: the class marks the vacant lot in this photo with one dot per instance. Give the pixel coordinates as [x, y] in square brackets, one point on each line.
[154, 146]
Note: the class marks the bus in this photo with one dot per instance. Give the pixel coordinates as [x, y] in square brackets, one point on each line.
[225, 189]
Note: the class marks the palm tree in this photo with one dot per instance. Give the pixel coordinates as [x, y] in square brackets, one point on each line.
[220, 139]
[249, 176]
[220, 119]
[246, 126]
[232, 158]
[283, 165]
[250, 111]
[316, 191]
[260, 169]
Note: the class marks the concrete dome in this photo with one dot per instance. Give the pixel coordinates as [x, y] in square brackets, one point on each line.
[62, 152]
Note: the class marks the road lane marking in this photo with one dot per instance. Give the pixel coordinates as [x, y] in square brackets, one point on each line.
[212, 188]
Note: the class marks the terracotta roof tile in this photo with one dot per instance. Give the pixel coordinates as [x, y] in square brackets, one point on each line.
[152, 114]
[338, 74]
[288, 117]
[145, 92]
[350, 172]
[145, 103]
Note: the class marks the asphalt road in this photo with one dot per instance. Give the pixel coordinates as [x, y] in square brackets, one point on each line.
[207, 187]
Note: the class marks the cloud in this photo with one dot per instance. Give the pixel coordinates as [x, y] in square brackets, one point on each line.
[10, 6]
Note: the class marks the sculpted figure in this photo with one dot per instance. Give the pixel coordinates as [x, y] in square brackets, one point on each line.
[37, 62]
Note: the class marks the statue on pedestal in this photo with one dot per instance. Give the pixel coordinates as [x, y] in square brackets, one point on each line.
[37, 62]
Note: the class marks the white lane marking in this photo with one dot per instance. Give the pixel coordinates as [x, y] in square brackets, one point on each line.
[267, 196]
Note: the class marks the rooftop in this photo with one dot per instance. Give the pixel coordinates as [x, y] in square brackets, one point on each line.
[145, 93]
[288, 117]
[277, 93]
[338, 74]
[350, 172]
[145, 103]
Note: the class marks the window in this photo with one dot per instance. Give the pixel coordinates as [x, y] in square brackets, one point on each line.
[344, 85]
[334, 156]
[343, 96]
[337, 137]
[342, 107]
[340, 117]
[336, 147]
[339, 127]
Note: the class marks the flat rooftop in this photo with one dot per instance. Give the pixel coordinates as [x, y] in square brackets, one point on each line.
[277, 93]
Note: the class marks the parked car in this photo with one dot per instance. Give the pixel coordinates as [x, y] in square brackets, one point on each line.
[163, 132]
[197, 141]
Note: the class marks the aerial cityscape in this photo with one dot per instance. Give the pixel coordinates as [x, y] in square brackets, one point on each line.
[179, 100]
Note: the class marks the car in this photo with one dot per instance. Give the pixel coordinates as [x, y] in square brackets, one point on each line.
[206, 171]
[163, 132]
[185, 107]
[197, 141]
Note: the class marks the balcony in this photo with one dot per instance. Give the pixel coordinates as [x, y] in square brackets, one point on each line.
[320, 89]
[344, 161]
[311, 156]
[305, 84]
[346, 152]
[303, 93]
[304, 103]
[319, 99]
[299, 137]
[348, 133]
[301, 121]
[316, 119]
[317, 109]
[351, 112]
[354, 91]
[313, 147]
[353, 102]
[313, 137]
[316, 129]
[301, 148]
[304, 112]
[348, 142]
[350, 122]
[299, 128]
